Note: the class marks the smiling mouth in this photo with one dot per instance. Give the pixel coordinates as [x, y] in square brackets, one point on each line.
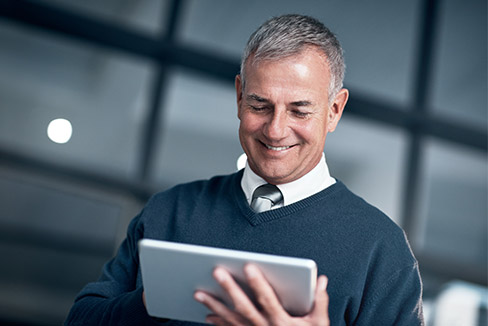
[277, 148]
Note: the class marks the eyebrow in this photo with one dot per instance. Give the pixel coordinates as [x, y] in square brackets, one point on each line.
[257, 98]
[301, 103]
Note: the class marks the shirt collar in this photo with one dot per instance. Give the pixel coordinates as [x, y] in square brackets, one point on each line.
[311, 183]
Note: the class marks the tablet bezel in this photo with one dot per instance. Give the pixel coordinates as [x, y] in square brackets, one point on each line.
[172, 272]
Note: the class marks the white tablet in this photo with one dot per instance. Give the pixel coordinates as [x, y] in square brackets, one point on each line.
[172, 272]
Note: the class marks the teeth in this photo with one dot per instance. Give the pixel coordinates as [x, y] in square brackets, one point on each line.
[277, 148]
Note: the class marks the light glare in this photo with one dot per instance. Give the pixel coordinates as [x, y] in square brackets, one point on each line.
[59, 131]
[241, 161]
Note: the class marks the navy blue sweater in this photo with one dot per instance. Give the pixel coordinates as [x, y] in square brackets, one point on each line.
[373, 276]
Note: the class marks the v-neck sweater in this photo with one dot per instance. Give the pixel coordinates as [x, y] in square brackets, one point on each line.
[373, 275]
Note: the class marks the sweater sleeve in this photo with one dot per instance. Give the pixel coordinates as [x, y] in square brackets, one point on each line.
[393, 289]
[397, 302]
[114, 299]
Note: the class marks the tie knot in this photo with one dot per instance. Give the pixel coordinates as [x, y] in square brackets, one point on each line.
[266, 196]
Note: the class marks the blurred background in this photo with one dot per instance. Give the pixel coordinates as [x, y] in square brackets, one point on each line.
[145, 89]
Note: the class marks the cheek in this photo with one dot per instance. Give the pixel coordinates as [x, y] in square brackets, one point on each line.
[249, 124]
[246, 134]
[310, 131]
[319, 129]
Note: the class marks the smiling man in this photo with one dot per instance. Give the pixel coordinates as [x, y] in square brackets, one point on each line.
[284, 202]
[285, 114]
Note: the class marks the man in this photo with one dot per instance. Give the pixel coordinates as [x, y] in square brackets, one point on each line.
[289, 96]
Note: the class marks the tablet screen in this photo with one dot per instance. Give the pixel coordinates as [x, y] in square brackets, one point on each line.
[172, 272]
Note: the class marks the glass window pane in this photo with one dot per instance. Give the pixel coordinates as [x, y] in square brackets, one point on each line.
[199, 137]
[369, 158]
[103, 94]
[145, 15]
[453, 205]
[378, 37]
[56, 243]
[460, 78]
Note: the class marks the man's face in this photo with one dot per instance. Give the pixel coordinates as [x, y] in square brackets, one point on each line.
[284, 115]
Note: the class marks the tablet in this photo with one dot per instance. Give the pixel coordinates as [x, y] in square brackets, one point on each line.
[172, 272]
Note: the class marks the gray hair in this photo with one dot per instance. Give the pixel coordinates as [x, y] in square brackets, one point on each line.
[288, 35]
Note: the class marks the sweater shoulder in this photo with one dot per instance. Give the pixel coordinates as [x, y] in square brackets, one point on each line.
[371, 227]
[185, 197]
[196, 188]
[365, 214]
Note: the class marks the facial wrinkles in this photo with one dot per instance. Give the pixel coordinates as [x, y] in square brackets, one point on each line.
[287, 84]
[283, 128]
[295, 90]
[287, 90]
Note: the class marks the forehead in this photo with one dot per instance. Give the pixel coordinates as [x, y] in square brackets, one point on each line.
[254, 60]
[307, 71]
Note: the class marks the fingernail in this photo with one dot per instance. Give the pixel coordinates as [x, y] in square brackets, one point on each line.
[323, 283]
[251, 271]
[219, 275]
[199, 296]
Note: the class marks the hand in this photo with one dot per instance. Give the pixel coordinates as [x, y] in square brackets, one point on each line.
[271, 313]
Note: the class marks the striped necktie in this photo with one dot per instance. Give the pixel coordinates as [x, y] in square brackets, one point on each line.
[265, 197]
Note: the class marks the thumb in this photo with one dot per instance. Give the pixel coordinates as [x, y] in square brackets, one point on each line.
[320, 309]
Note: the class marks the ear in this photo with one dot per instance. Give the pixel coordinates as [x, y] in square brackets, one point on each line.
[336, 109]
[238, 84]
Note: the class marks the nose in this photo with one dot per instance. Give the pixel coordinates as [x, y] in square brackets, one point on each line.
[276, 126]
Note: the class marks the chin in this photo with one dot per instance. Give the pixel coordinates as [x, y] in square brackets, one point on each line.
[275, 178]
[272, 172]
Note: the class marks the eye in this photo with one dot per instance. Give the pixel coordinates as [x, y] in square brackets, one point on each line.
[300, 114]
[258, 108]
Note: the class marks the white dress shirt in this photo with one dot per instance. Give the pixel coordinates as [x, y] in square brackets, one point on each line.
[311, 183]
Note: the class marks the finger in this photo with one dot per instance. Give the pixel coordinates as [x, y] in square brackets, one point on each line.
[320, 310]
[216, 320]
[224, 314]
[242, 304]
[265, 295]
